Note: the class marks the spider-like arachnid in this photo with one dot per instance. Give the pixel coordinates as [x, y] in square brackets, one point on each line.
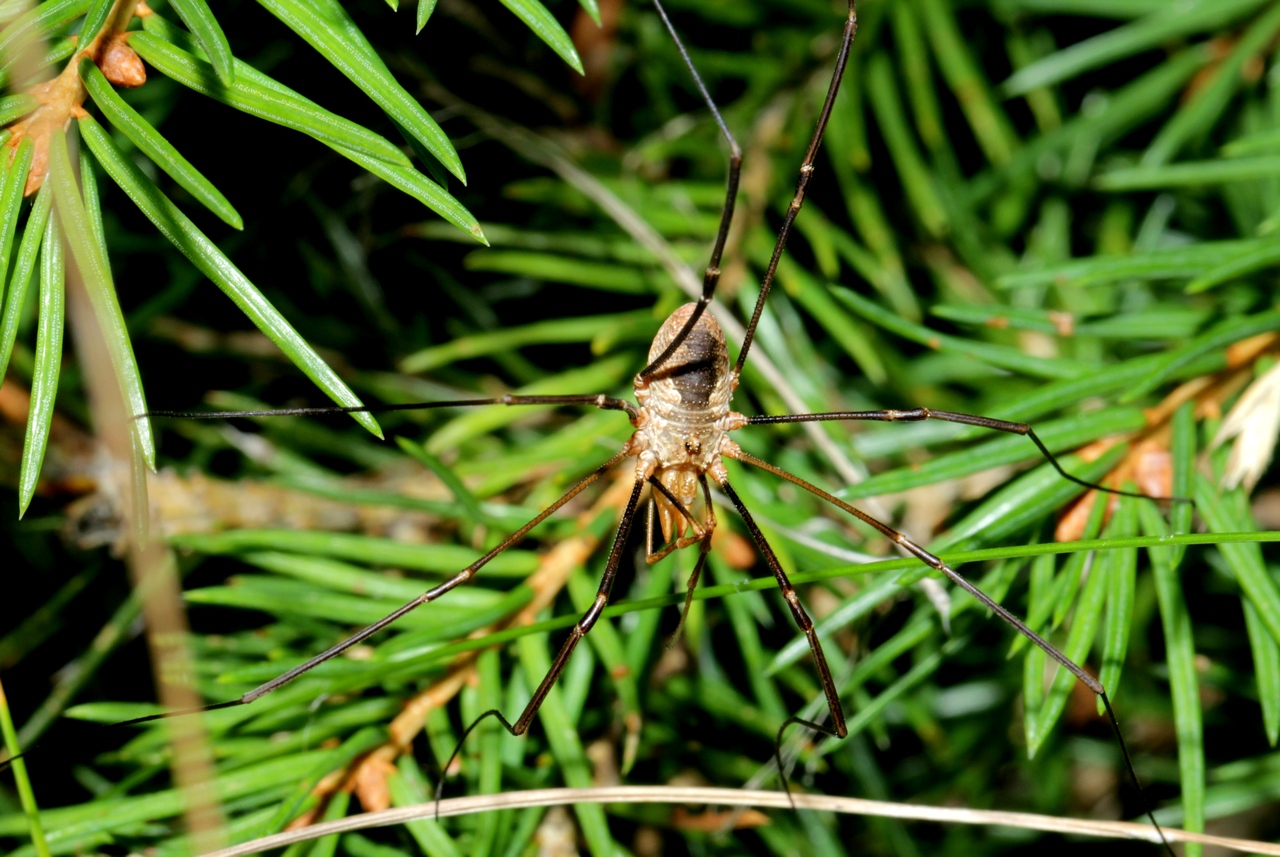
[684, 432]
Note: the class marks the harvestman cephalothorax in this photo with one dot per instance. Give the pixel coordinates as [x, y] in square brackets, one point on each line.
[683, 424]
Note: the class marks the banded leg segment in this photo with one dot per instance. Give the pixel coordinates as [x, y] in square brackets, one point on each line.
[802, 184]
[915, 415]
[999, 610]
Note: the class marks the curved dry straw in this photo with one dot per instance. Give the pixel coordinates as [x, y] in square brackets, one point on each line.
[741, 798]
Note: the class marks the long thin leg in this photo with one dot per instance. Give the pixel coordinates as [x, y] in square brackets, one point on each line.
[1017, 624]
[703, 550]
[838, 728]
[603, 402]
[712, 275]
[425, 598]
[578, 631]
[915, 415]
[589, 618]
[806, 172]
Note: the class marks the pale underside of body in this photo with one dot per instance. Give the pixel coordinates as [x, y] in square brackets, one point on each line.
[684, 417]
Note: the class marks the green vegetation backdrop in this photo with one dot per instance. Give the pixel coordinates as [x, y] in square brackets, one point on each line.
[1065, 212]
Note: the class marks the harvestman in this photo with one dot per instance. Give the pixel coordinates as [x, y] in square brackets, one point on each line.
[682, 425]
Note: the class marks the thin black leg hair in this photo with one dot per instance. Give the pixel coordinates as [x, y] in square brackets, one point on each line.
[466, 733]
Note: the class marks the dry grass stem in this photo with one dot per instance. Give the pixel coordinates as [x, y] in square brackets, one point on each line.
[742, 798]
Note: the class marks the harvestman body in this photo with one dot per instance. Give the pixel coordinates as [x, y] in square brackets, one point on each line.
[682, 423]
[684, 419]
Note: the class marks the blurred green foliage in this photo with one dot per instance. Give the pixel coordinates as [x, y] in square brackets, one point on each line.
[1063, 212]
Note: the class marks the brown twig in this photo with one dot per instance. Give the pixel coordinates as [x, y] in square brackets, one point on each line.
[60, 99]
